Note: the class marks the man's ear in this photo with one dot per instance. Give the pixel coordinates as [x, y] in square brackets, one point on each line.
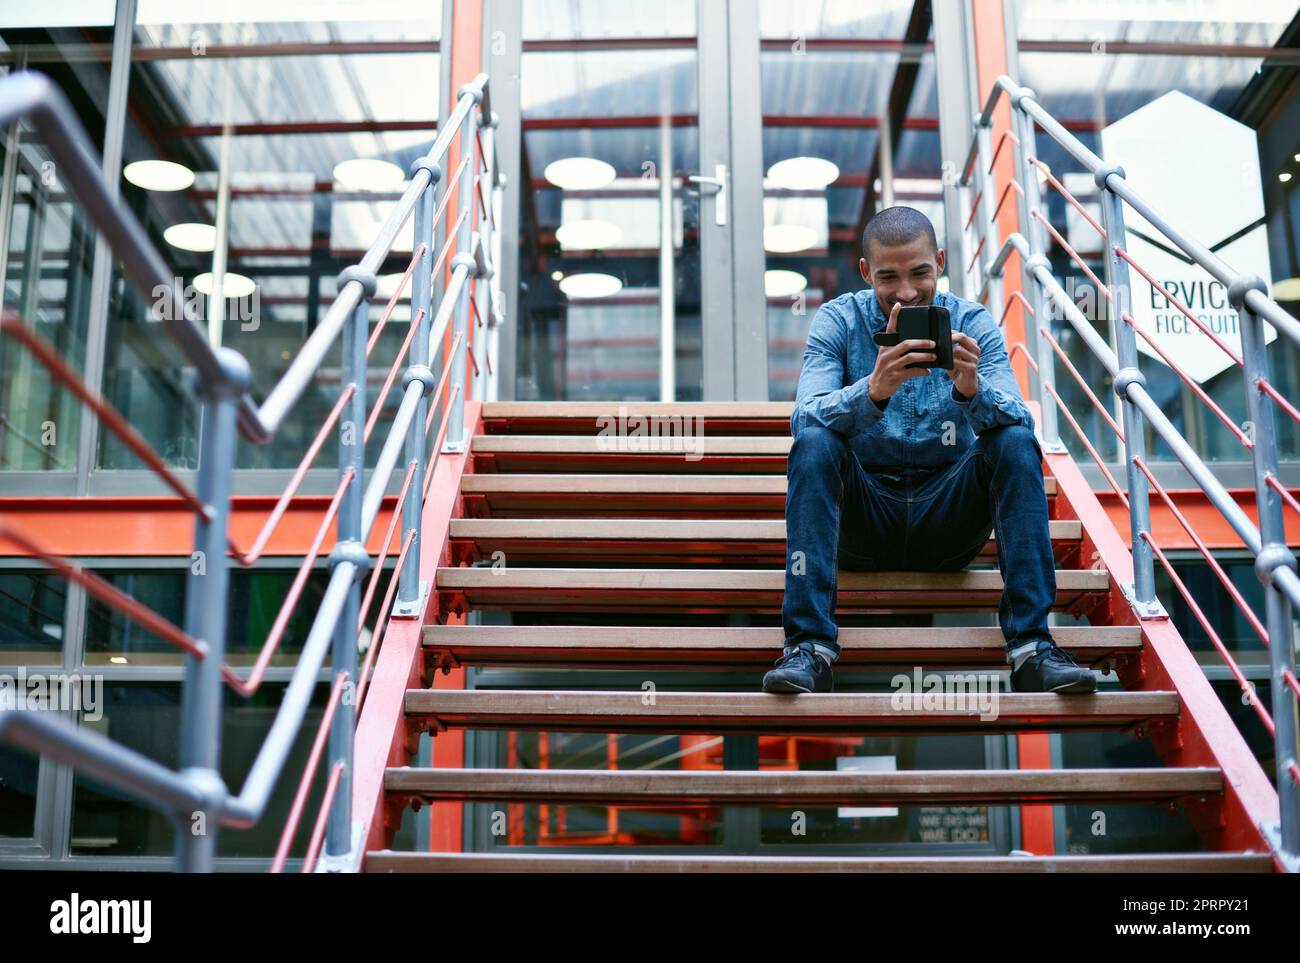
[865, 269]
[940, 259]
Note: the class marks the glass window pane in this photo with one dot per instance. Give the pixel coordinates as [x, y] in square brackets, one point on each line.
[48, 243]
[146, 718]
[31, 617]
[262, 118]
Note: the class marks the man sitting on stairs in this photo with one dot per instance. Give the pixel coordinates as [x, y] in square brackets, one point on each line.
[897, 468]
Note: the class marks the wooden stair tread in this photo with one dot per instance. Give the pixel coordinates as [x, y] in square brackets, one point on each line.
[829, 714]
[698, 647]
[808, 787]
[657, 529]
[593, 483]
[725, 417]
[675, 446]
[660, 540]
[710, 589]
[388, 861]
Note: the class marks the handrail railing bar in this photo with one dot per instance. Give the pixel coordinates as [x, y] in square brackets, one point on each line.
[437, 393]
[1083, 385]
[383, 621]
[1096, 456]
[393, 299]
[1068, 195]
[1176, 302]
[109, 594]
[1216, 641]
[244, 811]
[322, 818]
[384, 546]
[1210, 560]
[115, 423]
[308, 774]
[1189, 381]
[377, 408]
[1268, 389]
[1073, 255]
[443, 425]
[273, 520]
[247, 687]
[100, 758]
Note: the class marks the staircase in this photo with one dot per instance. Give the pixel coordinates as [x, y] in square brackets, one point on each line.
[556, 517]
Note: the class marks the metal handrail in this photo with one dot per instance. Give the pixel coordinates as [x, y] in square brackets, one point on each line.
[223, 387]
[1275, 564]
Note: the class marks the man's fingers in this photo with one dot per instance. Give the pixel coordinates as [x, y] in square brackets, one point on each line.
[892, 325]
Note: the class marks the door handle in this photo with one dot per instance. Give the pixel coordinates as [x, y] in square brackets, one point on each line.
[719, 182]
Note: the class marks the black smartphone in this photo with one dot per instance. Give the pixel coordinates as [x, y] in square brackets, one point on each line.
[928, 323]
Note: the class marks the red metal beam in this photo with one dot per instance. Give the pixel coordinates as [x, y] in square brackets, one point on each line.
[382, 735]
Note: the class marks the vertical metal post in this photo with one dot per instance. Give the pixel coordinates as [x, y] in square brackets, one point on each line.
[667, 267]
[206, 605]
[409, 590]
[1142, 593]
[1032, 201]
[987, 186]
[492, 255]
[1273, 554]
[455, 437]
[481, 280]
[349, 549]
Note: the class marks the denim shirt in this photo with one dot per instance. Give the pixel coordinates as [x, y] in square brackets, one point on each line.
[924, 424]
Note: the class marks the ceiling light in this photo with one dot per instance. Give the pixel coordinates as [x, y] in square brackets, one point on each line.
[234, 285]
[788, 238]
[1287, 290]
[590, 285]
[158, 175]
[803, 173]
[557, 275]
[118, 659]
[192, 237]
[579, 173]
[783, 284]
[1284, 176]
[588, 235]
[368, 174]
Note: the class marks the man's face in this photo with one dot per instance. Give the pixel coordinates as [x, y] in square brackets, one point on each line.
[906, 274]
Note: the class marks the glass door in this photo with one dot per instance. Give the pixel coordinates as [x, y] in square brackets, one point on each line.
[617, 212]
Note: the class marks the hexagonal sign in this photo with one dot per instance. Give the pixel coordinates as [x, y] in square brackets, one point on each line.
[1199, 169]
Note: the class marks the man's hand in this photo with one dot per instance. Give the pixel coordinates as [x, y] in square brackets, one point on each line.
[965, 364]
[891, 363]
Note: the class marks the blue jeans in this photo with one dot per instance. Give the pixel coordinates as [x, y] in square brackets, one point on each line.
[839, 515]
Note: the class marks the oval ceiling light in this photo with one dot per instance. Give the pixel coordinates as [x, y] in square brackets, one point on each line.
[234, 286]
[158, 175]
[803, 173]
[368, 174]
[1286, 290]
[788, 238]
[588, 235]
[590, 285]
[192, 237]
[783, 284]
[579, 173]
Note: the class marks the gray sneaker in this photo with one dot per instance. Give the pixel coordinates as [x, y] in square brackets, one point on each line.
[802, 670]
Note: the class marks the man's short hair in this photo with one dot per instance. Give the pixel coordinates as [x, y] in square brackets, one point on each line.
[895, 226]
